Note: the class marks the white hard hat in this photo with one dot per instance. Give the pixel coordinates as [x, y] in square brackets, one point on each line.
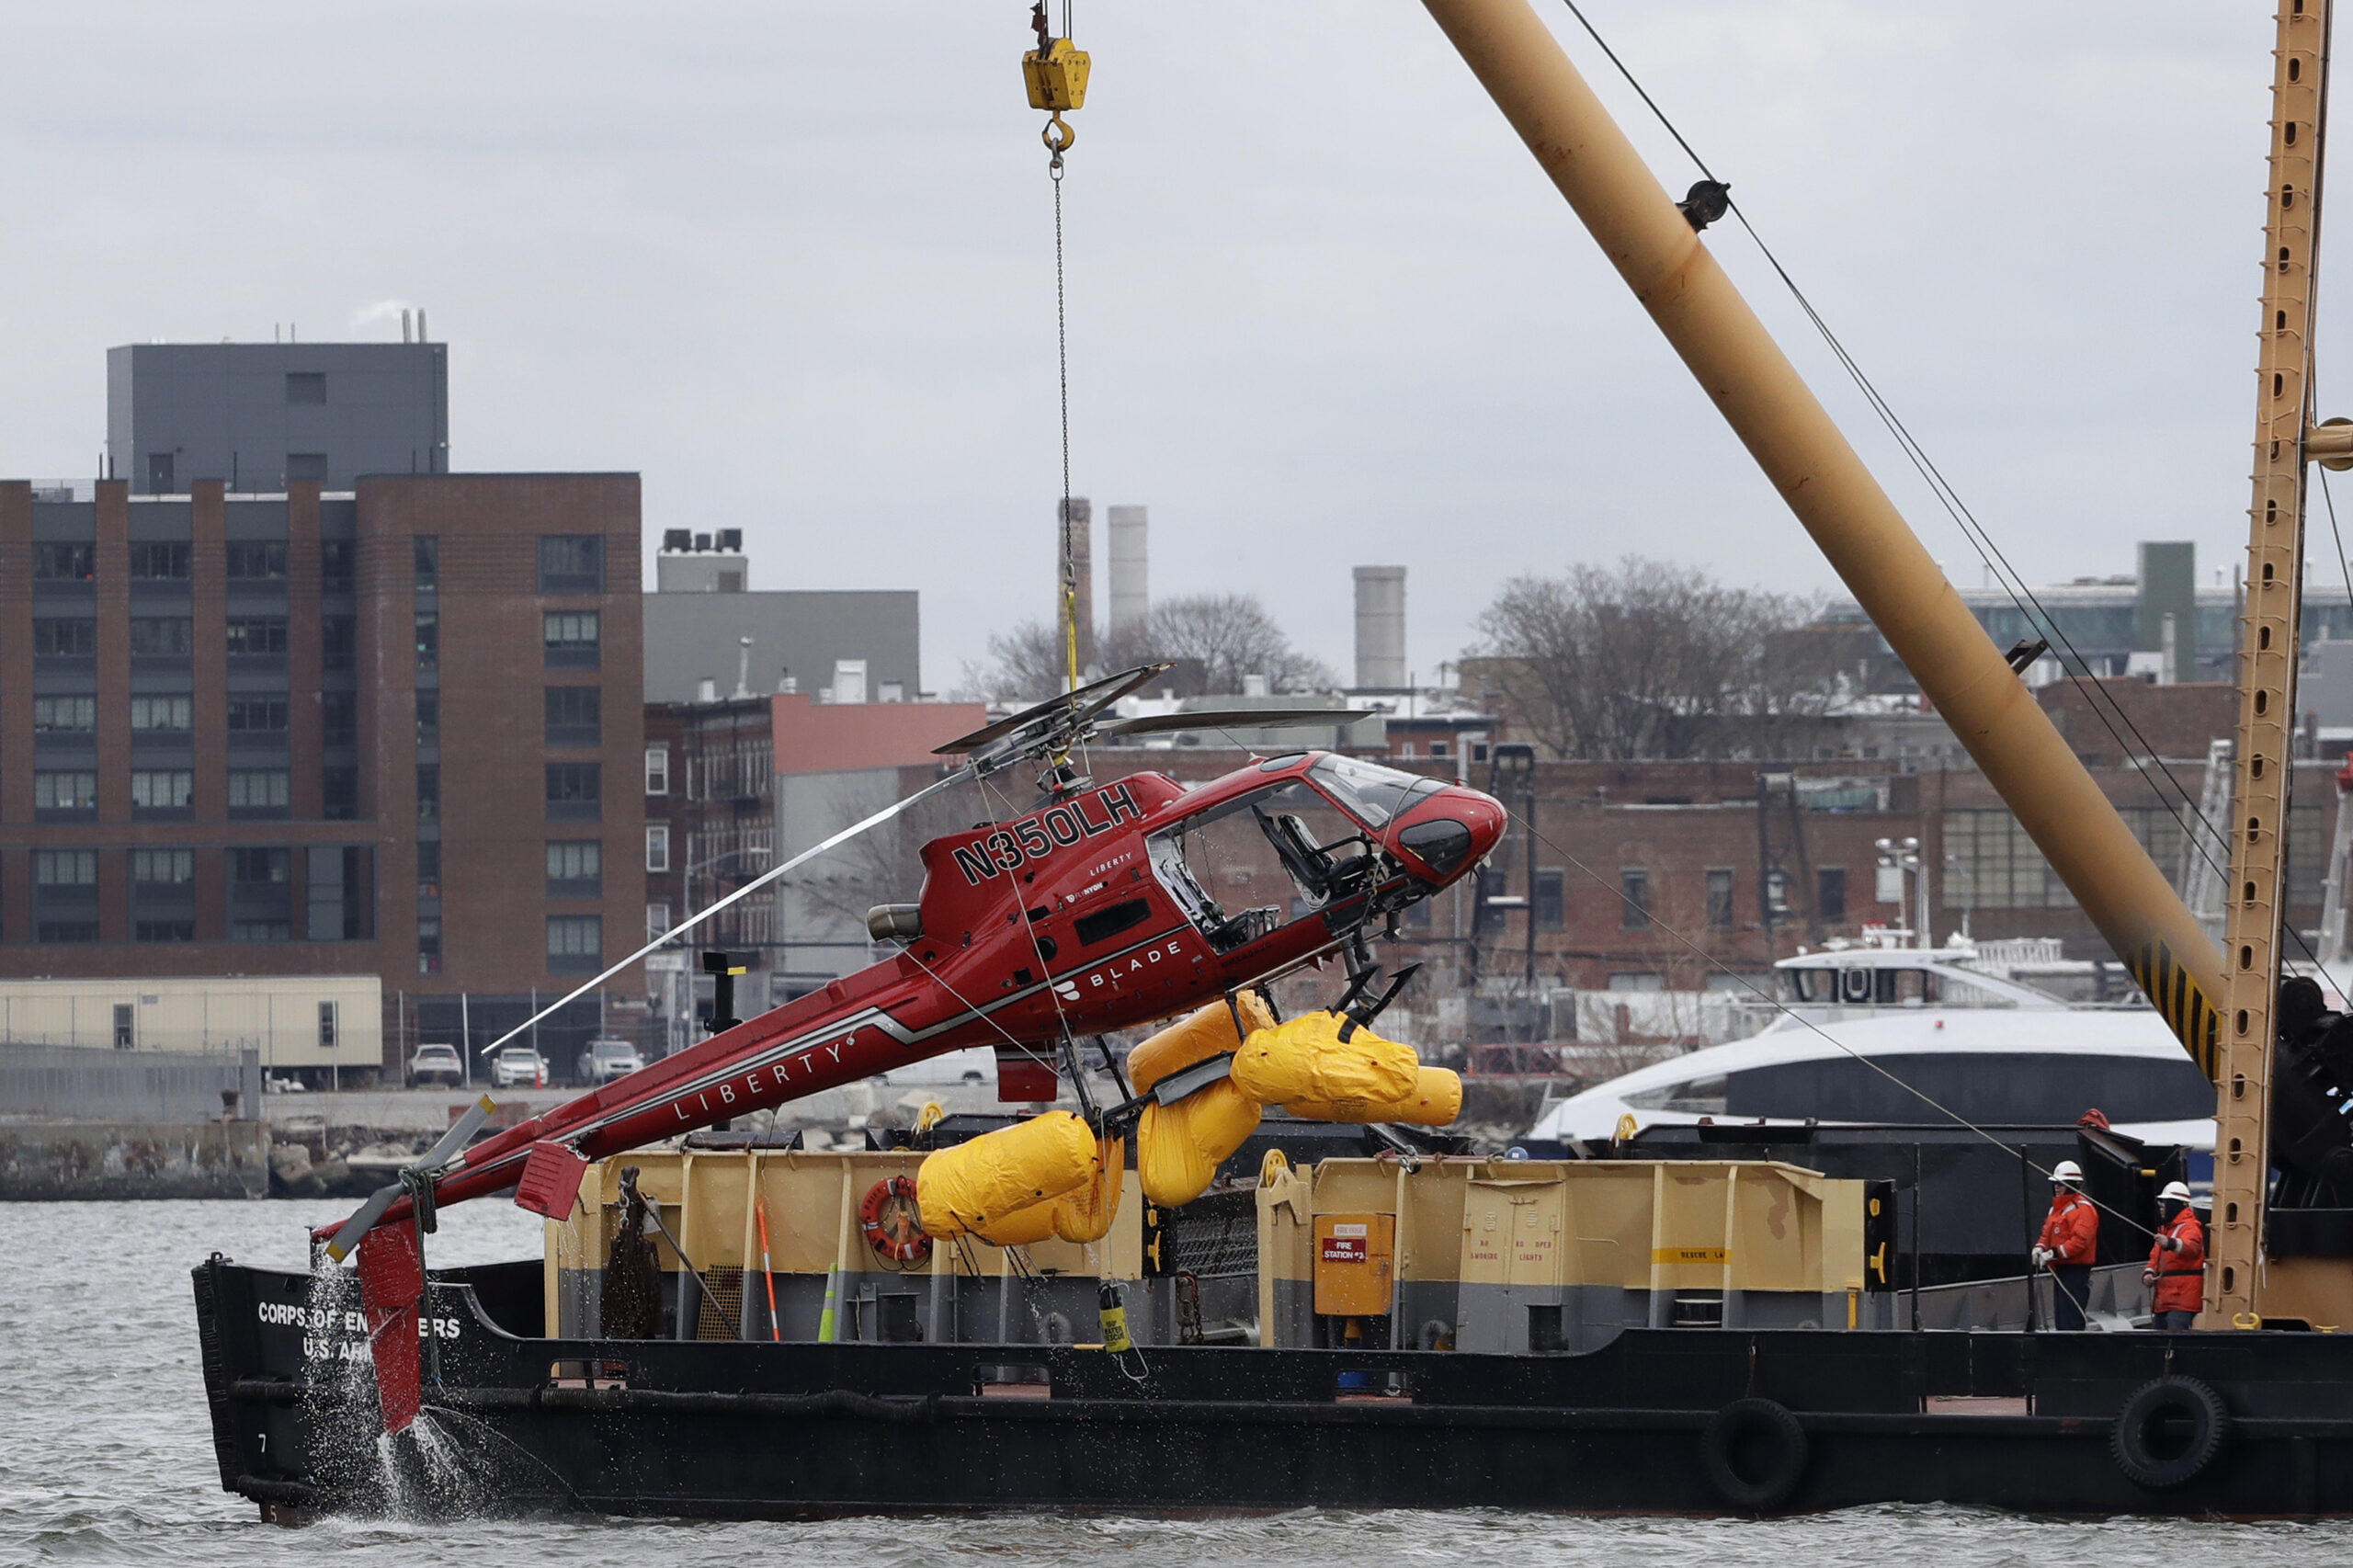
[2175, 1190]
[2067, 1170]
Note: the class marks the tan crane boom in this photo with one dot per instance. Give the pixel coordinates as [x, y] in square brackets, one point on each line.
[1793, 439]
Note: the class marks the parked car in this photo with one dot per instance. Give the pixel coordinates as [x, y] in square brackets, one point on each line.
[436, 1064]
[605, 1060]
[518, 1067]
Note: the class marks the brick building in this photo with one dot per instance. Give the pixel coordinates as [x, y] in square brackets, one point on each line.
[394, 730]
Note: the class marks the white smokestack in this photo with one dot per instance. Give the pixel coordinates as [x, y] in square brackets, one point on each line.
[1381, 628]
[1130, 568]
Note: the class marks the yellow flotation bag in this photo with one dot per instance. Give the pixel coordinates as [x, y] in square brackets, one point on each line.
[1436, 1100]
[1082, 1215]
[976, 1185]
[1306, 1061]
[1180, 1146]
[1195, 1036]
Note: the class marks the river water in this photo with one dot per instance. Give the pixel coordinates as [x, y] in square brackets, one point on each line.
[105, 1456]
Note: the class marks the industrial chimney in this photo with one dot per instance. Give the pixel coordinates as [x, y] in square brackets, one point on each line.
[1381, 628]
[1130, 568]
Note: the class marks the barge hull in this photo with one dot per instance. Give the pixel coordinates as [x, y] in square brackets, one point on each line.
[1674, 1421]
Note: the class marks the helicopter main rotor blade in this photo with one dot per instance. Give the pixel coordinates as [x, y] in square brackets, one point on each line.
[1073, 707]
[1238, 719]
[362, 1221]
[762, 880]
[453, 1143]
[445, 1149]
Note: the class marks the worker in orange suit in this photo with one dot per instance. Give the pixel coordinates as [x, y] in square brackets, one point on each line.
[2177, 1271]
[2070, 1245]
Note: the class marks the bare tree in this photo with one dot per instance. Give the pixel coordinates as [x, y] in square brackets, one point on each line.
[1212, 640]
[1652, 660]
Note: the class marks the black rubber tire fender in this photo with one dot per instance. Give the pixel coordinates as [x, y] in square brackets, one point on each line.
[1756, 1454]
[2162, 1465]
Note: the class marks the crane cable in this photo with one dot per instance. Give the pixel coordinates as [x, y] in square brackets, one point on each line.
[1055, 74]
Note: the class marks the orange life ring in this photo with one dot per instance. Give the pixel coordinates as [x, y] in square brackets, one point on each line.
[890, 1220]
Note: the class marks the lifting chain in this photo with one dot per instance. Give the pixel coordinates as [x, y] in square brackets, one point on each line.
[1055, 72]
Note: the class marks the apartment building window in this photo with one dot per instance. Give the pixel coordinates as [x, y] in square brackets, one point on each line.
[338, 905]
[1551, 907]
[572, 564]
[338, 718]
[1830, 892]
[257, 865]
[154, 563]
[1634, 900]
[1719, 910]
[256, 561]
[657, 846]
[259, 791]
[256, 715]
[657, 920]
[155, 792]
[575, 868]
[162, 867]
[162, 713]
[307, 465]
[162, 884]
[64, 636]
[575, 791]
[1776, 892]
[428, 791]
[306, 387]
[258, 634]
[576, 944]
[658, 771]
[326, 1026]
[428, 640]
[65, 792]
[425, 553]
[339, 642]
[66, 889]
[575, 715]
[66, 715]
[571, 639]
[336, 574]
[159, 473]
[260, 894]
[339, 793]
[428, 868]
[65, 563]
[65, 867]
[161, 637]
[428, 718]
[428, 944]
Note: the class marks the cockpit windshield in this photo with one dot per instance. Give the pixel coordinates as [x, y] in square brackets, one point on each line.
[1366, 791]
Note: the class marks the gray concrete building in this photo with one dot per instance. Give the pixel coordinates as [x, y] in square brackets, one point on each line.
[257, 416]
[701, 612]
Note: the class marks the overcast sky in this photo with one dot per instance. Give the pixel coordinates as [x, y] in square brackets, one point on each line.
[793, 263]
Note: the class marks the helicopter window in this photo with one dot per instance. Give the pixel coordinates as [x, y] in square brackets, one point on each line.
[1105, 923]
[1222, 853]
[1371, 793]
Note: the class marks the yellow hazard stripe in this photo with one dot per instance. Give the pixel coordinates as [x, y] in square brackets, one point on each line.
[2180, 1002]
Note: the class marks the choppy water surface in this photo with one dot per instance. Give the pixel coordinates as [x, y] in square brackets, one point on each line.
[105, 1456]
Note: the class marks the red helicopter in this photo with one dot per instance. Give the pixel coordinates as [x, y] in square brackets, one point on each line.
[1088, 913]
